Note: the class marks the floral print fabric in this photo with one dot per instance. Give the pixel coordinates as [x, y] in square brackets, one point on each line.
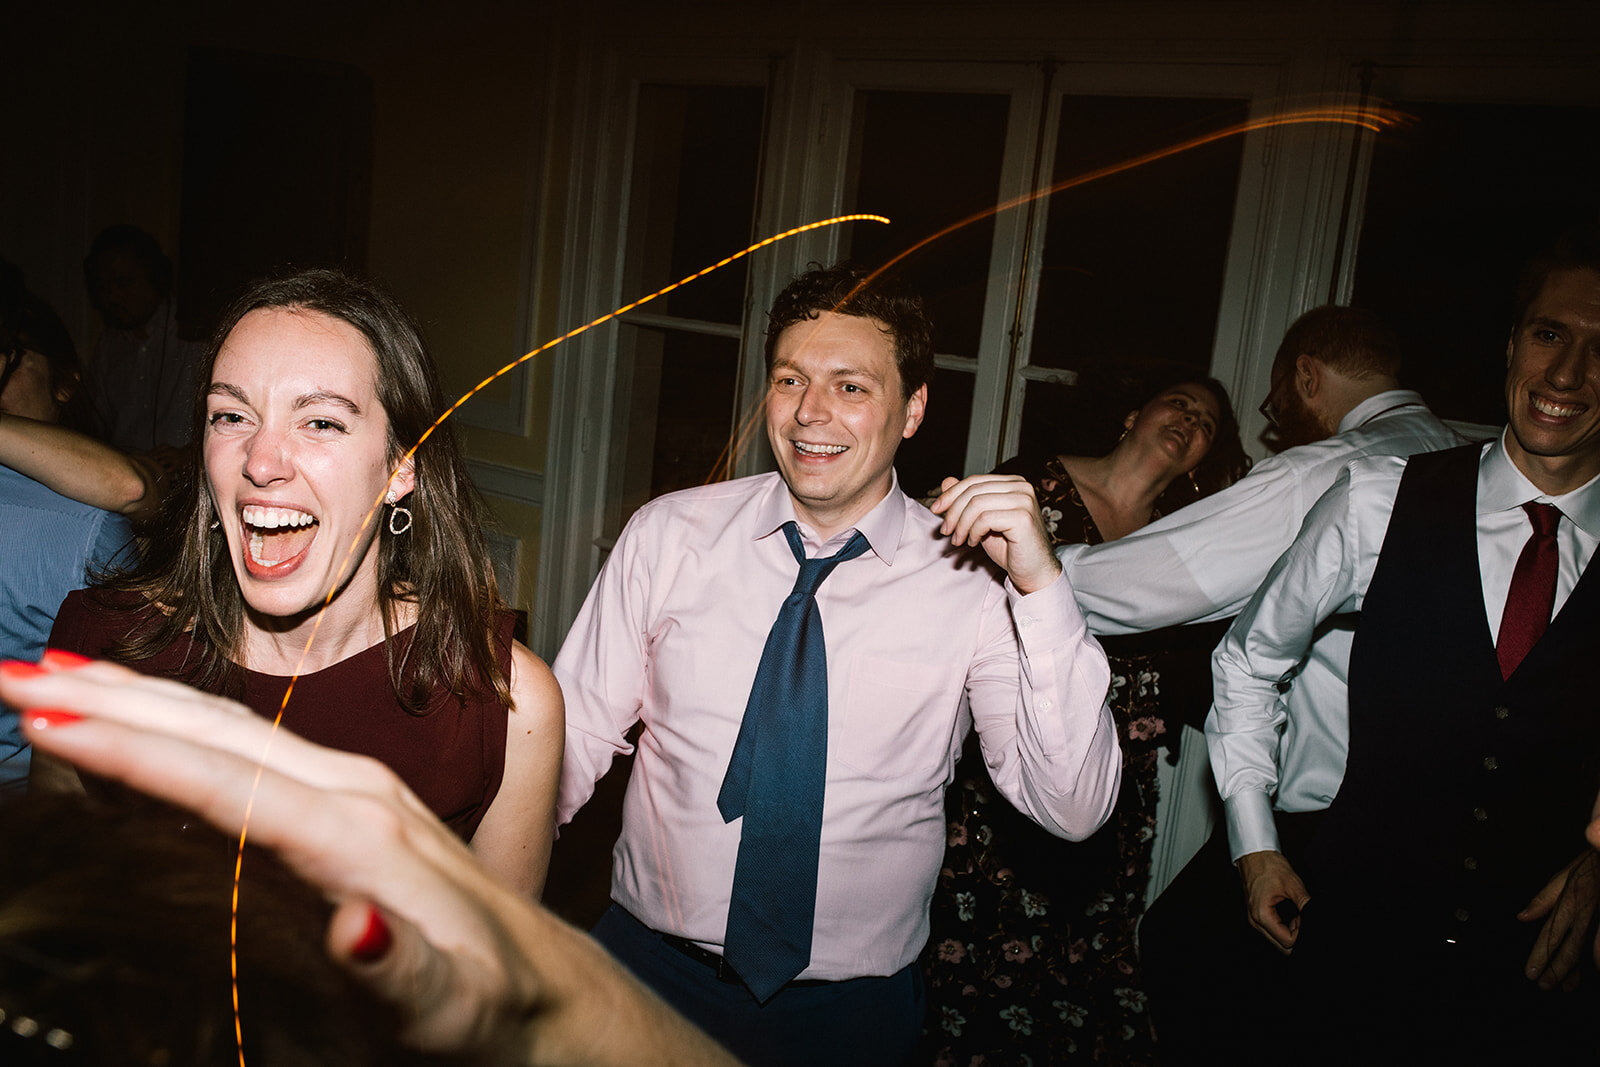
[1031, 959]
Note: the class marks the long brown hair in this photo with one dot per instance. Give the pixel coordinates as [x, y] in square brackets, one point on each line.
[440, 564]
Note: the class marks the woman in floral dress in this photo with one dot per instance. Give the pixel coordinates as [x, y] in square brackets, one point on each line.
[1031, 959]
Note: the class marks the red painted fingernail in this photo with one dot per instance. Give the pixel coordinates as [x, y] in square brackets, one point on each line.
[61, 659]
[49, 718]
[16, 668]
[375, 941]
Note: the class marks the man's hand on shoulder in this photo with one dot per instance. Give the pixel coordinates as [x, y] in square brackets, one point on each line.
[1000, 514]
[1269, 879]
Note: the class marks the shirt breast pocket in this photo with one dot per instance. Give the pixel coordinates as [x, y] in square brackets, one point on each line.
[897, 720]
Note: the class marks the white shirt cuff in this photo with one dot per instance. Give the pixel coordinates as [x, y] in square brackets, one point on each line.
[1250, 824]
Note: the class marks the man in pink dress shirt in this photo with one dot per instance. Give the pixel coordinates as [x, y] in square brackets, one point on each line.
[926, 636]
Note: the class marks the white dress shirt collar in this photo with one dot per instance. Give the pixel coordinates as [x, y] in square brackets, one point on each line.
[1501, 487]
[881, 526]
[1380, 404]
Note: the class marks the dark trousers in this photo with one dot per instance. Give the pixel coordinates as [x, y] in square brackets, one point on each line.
[866, 1021]
[1215, 984]
[1355, 990]
[1369, 986]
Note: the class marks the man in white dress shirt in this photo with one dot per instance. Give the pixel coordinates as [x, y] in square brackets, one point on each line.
[1424, 879]
[1335, 397]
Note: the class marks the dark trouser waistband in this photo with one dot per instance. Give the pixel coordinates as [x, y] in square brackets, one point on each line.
[704, 956]
[723, 969]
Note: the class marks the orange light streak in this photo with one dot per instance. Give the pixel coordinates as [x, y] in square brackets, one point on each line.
[346, 566]
[1373, 118]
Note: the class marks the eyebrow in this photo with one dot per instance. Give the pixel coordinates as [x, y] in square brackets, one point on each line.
[845, 371]
[320, 396]
[1195, 398]
[224, 389]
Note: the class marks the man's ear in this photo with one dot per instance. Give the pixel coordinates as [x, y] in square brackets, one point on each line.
[404, 481]
[916, 407]
[1308, 373]
[1132, 417]
[1511, 347]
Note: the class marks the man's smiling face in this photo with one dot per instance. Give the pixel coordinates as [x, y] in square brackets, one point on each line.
[836, 413]
[1553, 383]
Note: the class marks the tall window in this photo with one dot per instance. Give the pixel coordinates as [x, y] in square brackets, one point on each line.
[928, 161]
[693, 187]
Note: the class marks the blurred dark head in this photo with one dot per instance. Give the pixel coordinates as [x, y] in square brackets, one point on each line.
[127, 275]
[40, 375]
[114, 926]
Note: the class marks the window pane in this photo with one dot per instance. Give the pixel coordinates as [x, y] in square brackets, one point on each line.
[927, 160]
[1454, 205]
[694, 190]
[1133, 263]
[1084, 419]
[694, 408]
[939, 449]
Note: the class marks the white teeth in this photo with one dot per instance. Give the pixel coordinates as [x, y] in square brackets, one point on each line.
[820, 450]
[255, 542]
[272, 518]
[1559, 411]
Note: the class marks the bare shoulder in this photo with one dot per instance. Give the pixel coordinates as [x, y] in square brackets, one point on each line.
[534, 690]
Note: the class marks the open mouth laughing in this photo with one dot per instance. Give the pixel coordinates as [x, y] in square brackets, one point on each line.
[805, 448]
[276, 539]
[1555, 409]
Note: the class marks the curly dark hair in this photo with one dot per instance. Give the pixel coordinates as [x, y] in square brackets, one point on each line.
[849, 289]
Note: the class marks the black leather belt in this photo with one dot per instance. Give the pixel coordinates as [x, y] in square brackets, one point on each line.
[724, 970]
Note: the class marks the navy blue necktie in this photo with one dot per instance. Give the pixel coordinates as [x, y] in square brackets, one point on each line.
[775, 781]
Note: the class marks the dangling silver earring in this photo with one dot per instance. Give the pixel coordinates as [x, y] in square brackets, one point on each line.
[215, 523]
[397, 513]
[1194, 483]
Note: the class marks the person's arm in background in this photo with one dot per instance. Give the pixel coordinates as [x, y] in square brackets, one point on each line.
[77, 466]
[478, 970]
[1199, 564]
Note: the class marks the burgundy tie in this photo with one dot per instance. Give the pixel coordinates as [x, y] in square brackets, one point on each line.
[1533, 590]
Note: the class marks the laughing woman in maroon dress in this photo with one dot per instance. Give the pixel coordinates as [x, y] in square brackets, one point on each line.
[273, 565]
[1031, 959]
